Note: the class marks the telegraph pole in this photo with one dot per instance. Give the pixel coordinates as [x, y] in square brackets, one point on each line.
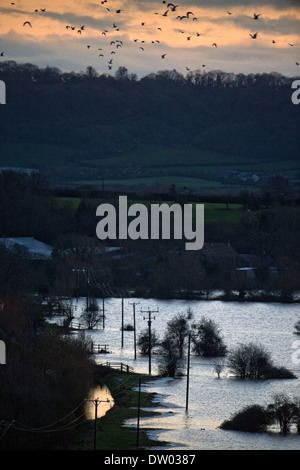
[122, 327]
[84, 270]
[134, 325]
[149, 312]
[96, 403]
[103, 317]
[188, 373]
[138, 419]
[95, 424]
[87, 290]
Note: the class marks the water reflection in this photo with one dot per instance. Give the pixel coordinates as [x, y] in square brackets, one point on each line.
[105, 402]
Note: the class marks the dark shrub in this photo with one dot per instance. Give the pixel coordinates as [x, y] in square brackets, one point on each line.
[253, 418]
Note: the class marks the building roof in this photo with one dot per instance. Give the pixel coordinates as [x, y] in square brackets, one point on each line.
[35, 249]
[222, 253]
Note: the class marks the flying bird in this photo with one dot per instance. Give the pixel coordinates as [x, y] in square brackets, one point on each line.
[27, 22]
[254, 35]
[256, 16]
[173, 7]
[290, 44]
[163, 56]
[229, 12]
[214, 44]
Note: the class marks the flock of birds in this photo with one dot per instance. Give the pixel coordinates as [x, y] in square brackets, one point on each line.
[170, 10]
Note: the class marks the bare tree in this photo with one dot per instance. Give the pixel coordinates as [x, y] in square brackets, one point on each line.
[91, 315]
[249, 361]
[283, 410]
[219, 365]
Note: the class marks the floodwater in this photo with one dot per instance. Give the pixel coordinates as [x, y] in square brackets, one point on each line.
[211, 400]
[98, 402]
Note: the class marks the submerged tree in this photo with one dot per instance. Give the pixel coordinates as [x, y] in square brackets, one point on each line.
[207, 339]
[178, 329]
[283, 411]
[144, 341]
[169, 361]
[253, 361]
[249, 360]
[91, 315]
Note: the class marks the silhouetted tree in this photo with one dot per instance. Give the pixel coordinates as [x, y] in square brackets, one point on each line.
[207, 340]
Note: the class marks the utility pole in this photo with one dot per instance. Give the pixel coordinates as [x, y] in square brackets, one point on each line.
[138, 419]
[103, 317]
[84, 270]
[134, 325]
[95, 424]
[96, 403]
[87, 290]
[122, 327]
[149, 326]
[188, 373]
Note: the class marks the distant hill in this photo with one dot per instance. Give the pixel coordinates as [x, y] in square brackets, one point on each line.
[201, 129]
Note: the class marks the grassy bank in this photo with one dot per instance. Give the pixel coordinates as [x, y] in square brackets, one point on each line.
[111, 434]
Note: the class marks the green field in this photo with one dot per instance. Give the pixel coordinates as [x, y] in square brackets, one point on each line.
[153, 167]
[29, 155]
[214, 212]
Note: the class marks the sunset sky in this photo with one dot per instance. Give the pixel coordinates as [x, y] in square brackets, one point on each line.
[122, 39]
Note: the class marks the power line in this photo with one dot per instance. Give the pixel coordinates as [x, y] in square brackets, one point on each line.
[51, 424]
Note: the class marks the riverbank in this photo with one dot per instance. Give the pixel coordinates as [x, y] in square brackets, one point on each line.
[233, 296]
[111, 432]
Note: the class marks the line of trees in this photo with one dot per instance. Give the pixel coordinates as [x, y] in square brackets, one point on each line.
[246, 361]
